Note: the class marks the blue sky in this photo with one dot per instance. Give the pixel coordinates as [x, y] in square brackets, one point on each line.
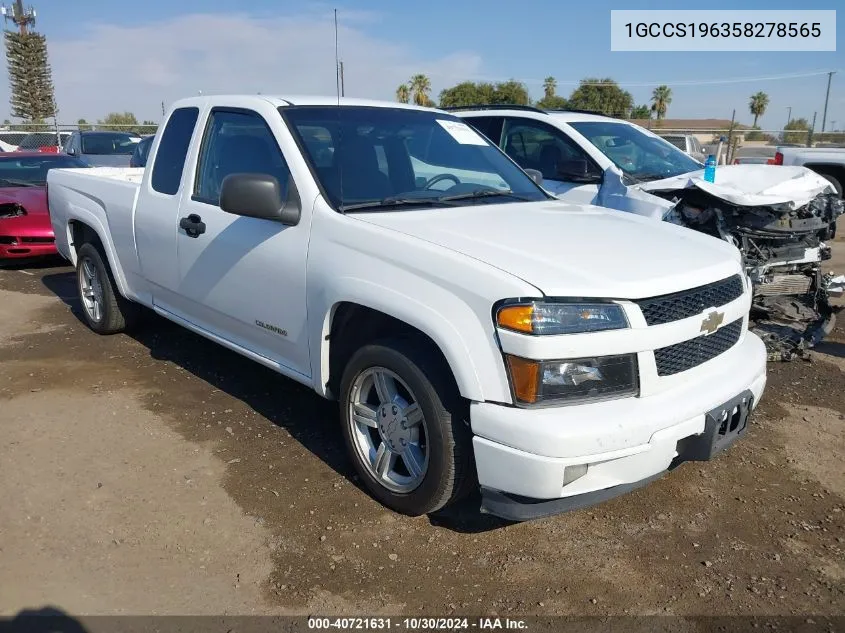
[111, 55]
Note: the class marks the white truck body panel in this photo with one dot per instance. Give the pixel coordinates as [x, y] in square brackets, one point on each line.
[804, 155]
[440, 271]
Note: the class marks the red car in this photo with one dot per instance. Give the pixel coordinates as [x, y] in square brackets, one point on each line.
[25, 229]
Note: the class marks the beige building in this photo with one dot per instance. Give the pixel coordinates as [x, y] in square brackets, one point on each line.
[705, 130]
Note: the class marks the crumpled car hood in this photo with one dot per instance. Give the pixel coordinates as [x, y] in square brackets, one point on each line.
[751, 185]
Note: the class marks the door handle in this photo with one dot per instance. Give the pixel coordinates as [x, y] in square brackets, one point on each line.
[192, 225]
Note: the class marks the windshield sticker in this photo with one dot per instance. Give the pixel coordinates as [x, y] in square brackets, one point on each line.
[461, 132]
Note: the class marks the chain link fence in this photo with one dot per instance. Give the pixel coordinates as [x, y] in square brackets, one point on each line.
[40, 135]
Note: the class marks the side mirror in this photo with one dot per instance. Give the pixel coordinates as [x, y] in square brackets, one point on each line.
[70, 151]
[578, 170]
[260, 196]
[535, 175]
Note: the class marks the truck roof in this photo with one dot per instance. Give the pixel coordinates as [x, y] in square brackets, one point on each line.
[279, 101]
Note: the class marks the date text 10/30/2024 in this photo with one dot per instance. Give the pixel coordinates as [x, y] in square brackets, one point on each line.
[417, 624]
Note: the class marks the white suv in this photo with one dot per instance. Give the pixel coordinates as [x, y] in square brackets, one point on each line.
[584, 158]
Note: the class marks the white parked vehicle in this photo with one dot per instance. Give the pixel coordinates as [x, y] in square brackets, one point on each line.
[778, 217]
[828, 162]
[687, 143]
[557, 354]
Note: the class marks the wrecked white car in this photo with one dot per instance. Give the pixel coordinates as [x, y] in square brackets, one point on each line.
[779, 217]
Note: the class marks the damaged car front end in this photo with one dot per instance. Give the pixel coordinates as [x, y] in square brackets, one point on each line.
[783, 245]
[779, 217]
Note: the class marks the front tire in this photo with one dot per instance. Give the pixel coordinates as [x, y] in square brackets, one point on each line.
[104, 309]
[404, 425]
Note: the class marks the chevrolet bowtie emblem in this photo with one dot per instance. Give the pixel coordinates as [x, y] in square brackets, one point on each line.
[712, 322]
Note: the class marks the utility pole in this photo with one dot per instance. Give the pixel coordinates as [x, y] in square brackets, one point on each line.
[788, 114]
[826, 97]
[810, 131]
[162, 108]
[729, 151]
[15, 13]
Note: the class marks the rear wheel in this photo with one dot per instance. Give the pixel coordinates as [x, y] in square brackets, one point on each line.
[404, 424]
[104, 309]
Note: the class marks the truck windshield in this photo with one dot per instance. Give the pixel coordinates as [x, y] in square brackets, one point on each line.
[636, 153]
[109, 143]
[375, 158]
[31, 171]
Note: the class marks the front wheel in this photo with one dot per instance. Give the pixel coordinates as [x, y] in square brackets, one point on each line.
[104, 309]
[404, 425]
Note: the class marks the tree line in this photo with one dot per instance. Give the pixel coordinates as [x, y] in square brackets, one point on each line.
[115, 121]
[601, 95]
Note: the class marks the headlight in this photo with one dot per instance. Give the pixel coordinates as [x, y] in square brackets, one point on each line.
[573, 380]
[561, 318]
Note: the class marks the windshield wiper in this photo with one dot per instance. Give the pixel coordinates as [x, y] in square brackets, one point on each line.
[18, 183]
[442, 200]
[389, 202]
[482, 193]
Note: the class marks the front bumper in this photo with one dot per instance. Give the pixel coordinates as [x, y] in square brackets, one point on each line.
[26, 250]
[521, 454]
[23, 242]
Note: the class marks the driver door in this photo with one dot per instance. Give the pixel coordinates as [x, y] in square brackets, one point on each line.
[242, 278]
[537, 145]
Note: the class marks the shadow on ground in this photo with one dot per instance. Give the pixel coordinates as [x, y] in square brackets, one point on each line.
[830, 348]
[44, 620]
[311, 420]
[40, 263]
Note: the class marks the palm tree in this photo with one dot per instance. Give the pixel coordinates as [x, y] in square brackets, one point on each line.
[758, 104]
[660, 100]
[403, 93]
[420, 86]
[549, 87]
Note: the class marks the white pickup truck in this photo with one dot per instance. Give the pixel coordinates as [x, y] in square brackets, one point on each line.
[828, 162]
[472, 327]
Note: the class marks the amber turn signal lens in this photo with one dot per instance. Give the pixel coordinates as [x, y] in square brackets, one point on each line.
[525, 378]
[517, 318]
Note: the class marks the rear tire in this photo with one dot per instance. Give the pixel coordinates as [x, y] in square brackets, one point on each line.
[104, 309]
[405, 426]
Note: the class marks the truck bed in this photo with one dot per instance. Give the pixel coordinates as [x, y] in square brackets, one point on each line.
[102, 198]
[124, 174]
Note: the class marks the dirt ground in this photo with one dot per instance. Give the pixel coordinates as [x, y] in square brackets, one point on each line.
[159, 473]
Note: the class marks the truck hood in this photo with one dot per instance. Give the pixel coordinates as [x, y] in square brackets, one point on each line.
[572, 250]
[751, 185]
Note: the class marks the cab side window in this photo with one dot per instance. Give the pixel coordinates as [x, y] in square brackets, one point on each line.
[173, 150]
[489, 126]
[236, 142]
[536, 145]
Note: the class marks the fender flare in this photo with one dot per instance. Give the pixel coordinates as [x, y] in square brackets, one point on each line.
[429, 320]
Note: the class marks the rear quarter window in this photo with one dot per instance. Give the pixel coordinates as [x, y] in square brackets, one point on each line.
[169, 161]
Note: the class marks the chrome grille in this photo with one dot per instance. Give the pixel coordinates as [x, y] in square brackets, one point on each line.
[688, 354]
[687, 303]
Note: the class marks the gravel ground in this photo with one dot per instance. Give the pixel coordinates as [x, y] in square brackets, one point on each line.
[160, 473]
